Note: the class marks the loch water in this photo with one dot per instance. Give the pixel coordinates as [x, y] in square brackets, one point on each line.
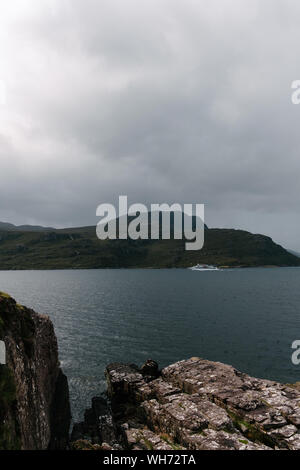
[244, 317]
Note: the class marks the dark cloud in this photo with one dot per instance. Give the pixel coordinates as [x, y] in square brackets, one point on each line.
[165, 101]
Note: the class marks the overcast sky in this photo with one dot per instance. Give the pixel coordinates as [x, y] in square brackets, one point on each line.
[161, 100]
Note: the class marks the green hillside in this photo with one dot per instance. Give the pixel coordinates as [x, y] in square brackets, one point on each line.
[80, 248]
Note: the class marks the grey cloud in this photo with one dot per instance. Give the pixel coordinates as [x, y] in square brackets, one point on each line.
[165, 101]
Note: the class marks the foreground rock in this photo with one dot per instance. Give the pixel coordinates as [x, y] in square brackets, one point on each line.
[34, 396]
[193, 404]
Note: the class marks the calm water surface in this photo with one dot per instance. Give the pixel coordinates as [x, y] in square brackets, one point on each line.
[244, 317]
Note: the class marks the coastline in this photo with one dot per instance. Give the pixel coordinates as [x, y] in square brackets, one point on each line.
[131, 268]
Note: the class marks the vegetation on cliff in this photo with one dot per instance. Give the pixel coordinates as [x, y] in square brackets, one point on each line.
[10, 437]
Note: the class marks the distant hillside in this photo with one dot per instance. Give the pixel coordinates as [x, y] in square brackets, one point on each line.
[23, 228]
[80, 248]
[295, 253]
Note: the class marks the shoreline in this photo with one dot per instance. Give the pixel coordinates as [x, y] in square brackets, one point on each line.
[219, 268]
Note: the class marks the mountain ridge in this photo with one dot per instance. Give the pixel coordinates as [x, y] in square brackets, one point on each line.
[23, 228]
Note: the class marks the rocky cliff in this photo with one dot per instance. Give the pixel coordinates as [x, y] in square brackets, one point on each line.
[194, 404]
[34, 396]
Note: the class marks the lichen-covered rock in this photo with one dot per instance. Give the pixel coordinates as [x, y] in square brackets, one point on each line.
[34, 397]
[199, 405]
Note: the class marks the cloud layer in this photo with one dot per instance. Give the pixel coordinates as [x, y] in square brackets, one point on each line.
[165, 101]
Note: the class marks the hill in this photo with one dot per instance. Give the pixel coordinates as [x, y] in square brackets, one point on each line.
[80, 248]
[23, 228]
[295, 253]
